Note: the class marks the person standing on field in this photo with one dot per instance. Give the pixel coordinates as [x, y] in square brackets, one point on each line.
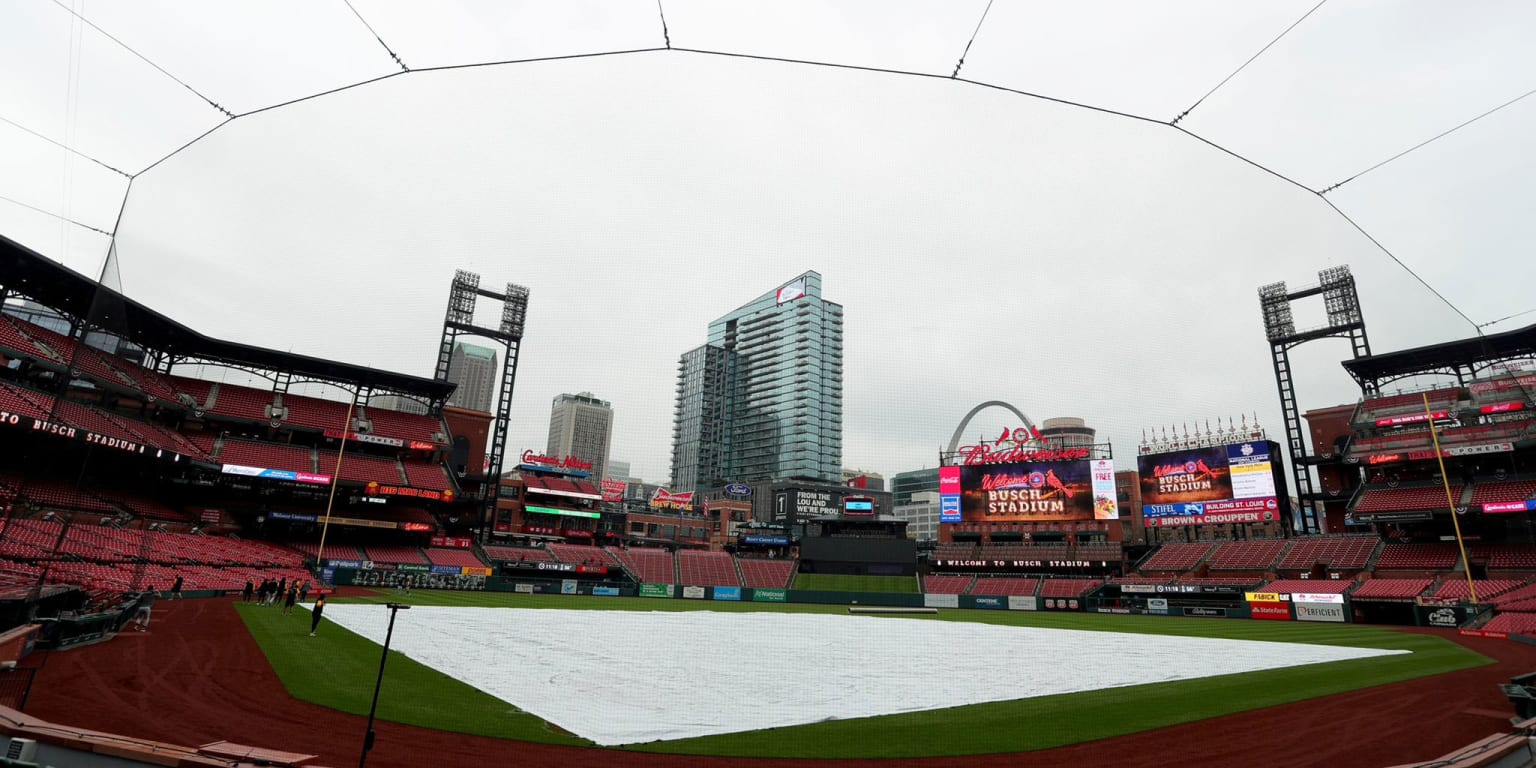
[314, 620]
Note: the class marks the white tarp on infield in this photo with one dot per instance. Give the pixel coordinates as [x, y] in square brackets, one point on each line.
[622, 677]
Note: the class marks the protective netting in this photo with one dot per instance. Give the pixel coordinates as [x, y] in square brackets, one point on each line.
[993, 190]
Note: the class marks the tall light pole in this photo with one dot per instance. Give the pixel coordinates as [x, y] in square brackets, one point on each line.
[394, 608]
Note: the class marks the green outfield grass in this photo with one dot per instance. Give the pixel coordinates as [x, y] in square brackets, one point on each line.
[834, 582]
[337, 670]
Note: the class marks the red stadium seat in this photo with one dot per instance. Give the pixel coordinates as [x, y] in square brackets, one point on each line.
[698, 568]
[763, 573]
[1177, 557]
[1002, 586]
[1391, 589]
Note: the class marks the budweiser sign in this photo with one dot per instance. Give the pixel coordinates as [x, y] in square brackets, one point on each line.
[1017, 446]
[568, 462]
[665, 499]
[613, 490]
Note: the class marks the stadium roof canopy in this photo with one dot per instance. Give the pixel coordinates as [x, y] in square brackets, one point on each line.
[1462, 354]
[26, 272]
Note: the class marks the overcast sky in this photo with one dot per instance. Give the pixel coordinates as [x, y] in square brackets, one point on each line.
[986, 245]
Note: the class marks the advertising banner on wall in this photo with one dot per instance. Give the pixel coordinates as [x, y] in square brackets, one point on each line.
[1270, 611]
[613, 490]
[1022, 603]
[1212, 485]
[1028, 492]
[941, 601]
[655, 590]
[1105, 503]
[1333, 612]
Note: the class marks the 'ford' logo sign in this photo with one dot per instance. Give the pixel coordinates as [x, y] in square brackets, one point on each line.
[739, 489]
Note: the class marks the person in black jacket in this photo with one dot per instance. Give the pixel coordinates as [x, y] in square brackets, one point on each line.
[314, 620]
[176, 588]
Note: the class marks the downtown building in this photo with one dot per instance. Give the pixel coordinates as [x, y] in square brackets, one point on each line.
[473, 369]
[763, 398]
[581, 426]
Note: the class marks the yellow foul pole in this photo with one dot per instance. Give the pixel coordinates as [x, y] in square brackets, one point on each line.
[346, 429]
[1449, 502]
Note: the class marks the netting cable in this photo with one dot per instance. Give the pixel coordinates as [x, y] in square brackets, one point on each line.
[143, 58]
[1245, 64]
[372, 31]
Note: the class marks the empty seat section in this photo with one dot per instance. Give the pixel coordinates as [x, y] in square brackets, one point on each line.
[581, 554]
[999, 586]
[333, 550]
[197, 389]
[420, 474]
[24, 402]
[1418, 557]
[954, 551]
[13, 336]
[267, 455]
[51, 493]
[1308, 586]
[240, 402]
[1507, 556]
[1382, 499]
[1337, 552]
[362, 469]
[463, 558]
[523, 554]
[1246, 555]
[1407, 403]
[1177, 557]
[1067, 587]
[316, 413]
[697, 568]
[1512, 623]
[404, 426]
[394, 554]
[759, 573]
[1493, 491]
[648, 565]
[940, 584]
[1456, 588]
[1391, 589]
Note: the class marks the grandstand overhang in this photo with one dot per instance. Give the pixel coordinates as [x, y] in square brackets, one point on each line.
[1452, 357]
[24, 272]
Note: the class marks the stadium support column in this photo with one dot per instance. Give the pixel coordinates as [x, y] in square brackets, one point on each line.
[460, 321]
[1337, 287]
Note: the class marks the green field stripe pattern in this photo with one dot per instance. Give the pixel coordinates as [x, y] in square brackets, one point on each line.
[835, 582]
[339, 672]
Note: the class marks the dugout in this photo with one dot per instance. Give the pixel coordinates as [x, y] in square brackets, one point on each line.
[875, 546]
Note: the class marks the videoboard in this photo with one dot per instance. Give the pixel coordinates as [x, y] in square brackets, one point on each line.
[1210, 485]
[1032, 491]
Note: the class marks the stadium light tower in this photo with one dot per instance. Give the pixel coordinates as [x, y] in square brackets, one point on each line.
[1337, 287]
[460, 321]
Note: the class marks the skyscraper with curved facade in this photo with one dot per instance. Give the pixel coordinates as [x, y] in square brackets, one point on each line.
[763, 399]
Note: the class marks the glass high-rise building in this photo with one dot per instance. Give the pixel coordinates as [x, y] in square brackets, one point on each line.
[904, 485]
[763, 399]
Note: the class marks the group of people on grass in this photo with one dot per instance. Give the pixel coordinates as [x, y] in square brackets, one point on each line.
[269, 591]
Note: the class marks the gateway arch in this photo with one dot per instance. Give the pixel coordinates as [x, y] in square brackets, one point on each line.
[954, 440]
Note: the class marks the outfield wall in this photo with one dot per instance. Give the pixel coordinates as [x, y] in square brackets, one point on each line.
[1224, 605]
